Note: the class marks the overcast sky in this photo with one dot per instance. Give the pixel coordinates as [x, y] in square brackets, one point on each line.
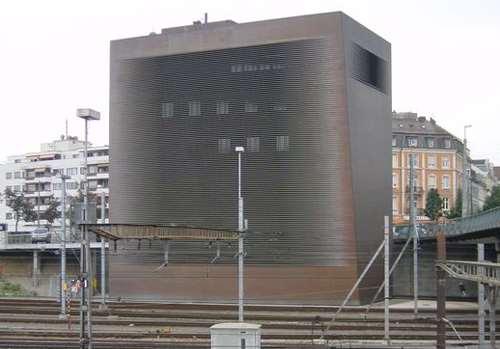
[54, 58]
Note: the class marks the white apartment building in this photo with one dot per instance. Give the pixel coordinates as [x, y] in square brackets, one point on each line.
[36, 176]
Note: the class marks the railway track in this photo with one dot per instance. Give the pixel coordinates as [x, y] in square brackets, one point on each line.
[34, 323]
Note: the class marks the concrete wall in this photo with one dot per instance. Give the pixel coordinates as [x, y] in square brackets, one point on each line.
[18, 268]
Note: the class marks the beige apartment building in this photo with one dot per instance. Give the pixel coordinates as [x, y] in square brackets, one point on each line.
[437, 160]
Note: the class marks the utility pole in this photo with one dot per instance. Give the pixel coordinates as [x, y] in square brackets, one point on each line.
[103, 251]
[441, 290]
[414, 231]
[63, 246]
[241, 229]
[386, 280]
[465, 197]
[480, 298]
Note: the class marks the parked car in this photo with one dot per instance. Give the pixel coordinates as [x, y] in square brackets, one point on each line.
[40, 235]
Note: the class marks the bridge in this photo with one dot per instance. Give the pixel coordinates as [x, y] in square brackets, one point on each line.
[483, 227]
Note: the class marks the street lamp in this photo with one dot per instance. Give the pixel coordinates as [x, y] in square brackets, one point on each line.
[241, 228]
[63, 244]
[465, 208]
[85, 253]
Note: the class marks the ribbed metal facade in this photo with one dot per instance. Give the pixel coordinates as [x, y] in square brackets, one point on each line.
[177, 114]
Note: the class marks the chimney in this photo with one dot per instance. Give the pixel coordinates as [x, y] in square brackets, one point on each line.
[206, 17]
[421, 119]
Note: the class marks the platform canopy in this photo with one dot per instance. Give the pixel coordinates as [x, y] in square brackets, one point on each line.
[160, 232]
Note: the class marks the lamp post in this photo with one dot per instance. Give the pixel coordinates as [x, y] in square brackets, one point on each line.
[241, 229]
[85, 252]
[63, 245]
[465, 208]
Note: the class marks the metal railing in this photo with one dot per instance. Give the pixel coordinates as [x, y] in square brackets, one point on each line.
[484, 272]
[483, 221]
[10, 239]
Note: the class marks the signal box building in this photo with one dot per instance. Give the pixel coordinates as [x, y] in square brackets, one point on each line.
[309, 98]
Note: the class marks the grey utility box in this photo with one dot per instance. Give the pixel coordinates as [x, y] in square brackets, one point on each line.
[235, 335]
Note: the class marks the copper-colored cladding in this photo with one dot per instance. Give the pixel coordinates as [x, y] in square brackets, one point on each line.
[327, 194]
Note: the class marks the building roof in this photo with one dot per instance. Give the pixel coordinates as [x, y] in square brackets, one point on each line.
[411, 123]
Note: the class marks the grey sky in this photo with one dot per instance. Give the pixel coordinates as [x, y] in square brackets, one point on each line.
[54, 57]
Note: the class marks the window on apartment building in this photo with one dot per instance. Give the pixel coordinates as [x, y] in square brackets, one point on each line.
[394, 160]
[8, 175]
[92, 170]
[431, 161]
[167, 110]
[445, 163]
[253, 144]
[8, 187]
[73, 171]
[394, 180]
[412, 141]
[18, 174]
[92, 185]
[394, 141]
[447, 143]
[251, 107]
[82, 170]
[282, 143]
[446, 182]
[8, 215]
[430, 142]
[222, 108]
[57, 186]
[414, 158]
[223, 145]
[394, 205]
[432, 181]
[17, 188]
[71, 185]
[446, 204]
[194, 108]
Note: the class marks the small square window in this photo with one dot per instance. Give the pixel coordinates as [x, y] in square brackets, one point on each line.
[282, 143]
[8, 175]
[394, 141]
[447, 143]
[412, 141]
[224, 145]
[222, 108]
[8, 215]
[251, 107]
[17, 174]
[167, 110]
[194, 108]
[430, 142]
[253, 144]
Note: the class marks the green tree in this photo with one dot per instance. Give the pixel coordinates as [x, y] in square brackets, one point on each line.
[51, 213]
[456, 210]
[22, 208]
[493, 200]
[433, 205]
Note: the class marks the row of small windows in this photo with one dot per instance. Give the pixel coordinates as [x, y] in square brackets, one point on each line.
[282, 143]
[430, 142]
[431, 181]
[431, 161]
[221, 108]
[238, 68]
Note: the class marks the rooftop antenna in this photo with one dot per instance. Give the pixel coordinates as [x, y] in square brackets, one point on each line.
[206, 17]
[66, 129]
